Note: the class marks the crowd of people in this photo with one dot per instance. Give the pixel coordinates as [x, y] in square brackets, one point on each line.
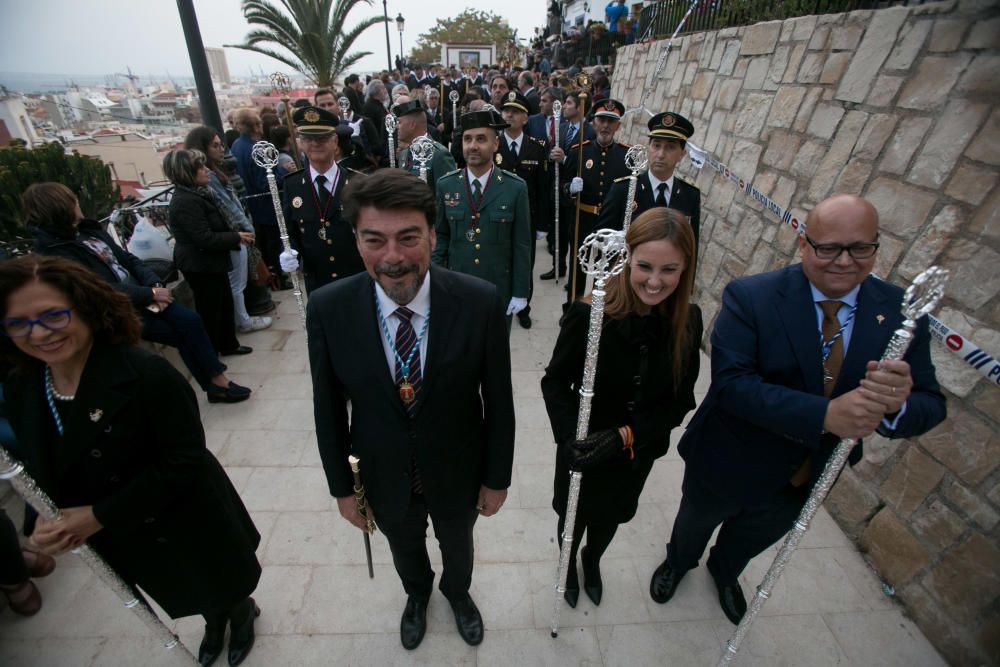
[414, 275]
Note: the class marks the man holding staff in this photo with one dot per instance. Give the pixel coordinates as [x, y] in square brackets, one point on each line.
[411, 125]
[781, 400]
[421, 352]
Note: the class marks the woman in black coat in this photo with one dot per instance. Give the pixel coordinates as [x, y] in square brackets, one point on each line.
[203, 242]
[52, 213]
[112, 434]
[646, 369]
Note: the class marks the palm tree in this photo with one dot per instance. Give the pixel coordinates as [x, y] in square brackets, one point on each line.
[311, 31]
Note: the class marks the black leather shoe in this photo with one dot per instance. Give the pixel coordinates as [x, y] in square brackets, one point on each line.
[242, 349]
[593, 586]
[241, 637]
[664, 582]
[211, 644]
[524, 319]
[234, 393]
[468, 620]
[413, 625]
[551, 274]
[734, 605]
[572, 594]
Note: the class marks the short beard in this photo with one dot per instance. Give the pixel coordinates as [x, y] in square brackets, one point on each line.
[401, 293]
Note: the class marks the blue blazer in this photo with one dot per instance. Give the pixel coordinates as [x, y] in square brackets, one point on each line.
[538, 127]
[764, 411]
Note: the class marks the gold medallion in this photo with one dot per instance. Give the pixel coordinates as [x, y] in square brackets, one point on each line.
[297, 202]
[321, 233]
[470, 235]
[668, 121]
[498, 158]
[406, 392]
[311, 116]
[589, 164]
[95, 415]
[880, 318]
[511, 96]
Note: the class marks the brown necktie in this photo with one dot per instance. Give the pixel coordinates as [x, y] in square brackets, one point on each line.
[831, 325]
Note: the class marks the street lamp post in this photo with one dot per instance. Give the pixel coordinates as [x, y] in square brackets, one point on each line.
[388, 47]
[400, 21]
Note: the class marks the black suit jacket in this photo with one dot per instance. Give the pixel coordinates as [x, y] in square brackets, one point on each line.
[684, 197]
[764, 411]
[532, 166]
[463, 433]
[203, 238]
[135, 450]
[326, 259]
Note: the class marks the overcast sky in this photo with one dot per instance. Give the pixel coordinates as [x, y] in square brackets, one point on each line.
[99, 37]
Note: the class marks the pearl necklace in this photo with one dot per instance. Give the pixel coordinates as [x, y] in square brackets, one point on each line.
[51, 387]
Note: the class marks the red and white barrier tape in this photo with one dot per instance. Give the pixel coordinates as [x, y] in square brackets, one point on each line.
[965, 349]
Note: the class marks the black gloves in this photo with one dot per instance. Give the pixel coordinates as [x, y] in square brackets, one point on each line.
[594, 449]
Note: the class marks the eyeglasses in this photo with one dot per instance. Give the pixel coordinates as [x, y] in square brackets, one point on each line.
[833, 250]
[52, 320]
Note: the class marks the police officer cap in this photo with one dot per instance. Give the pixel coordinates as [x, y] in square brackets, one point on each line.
[404, 108]
[670, 125]
[312, 121]
[515, 100]
[485, 118]
[609, 108]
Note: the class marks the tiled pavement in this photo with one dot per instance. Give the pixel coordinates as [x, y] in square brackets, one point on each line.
[320, 608]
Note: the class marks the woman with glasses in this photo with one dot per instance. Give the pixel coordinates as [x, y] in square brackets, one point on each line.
[646, 369]
[113, 435]
[52, 214]
[204, 241]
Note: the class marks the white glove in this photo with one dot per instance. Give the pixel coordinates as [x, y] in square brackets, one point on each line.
[540, 235]
[516, 305]
[289, 261]
[576, 185]
[356, 128]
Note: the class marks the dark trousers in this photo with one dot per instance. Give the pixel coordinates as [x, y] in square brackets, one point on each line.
[408, 544]
[13, 570]
[182, 328]
[747, 530]
[600, 531]
[213, 299]
[268, 239]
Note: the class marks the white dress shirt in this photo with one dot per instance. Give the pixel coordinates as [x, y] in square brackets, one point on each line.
[483, 180]
[655, 182]
[331, 176]
[421, 307]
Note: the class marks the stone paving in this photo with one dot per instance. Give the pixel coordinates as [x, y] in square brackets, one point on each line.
[320, 608]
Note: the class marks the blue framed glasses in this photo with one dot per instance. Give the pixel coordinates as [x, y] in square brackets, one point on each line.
[52, 320]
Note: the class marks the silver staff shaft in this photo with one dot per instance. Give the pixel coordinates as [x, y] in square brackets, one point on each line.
[390, 129]
[28, 489]
[272, 184]
[921, 298]
[602, 255]
[636, 160]
[556, 120]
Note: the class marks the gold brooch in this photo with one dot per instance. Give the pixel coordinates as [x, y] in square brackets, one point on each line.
[297, 202]
[95, 415]
[668, 120]
[311, 116]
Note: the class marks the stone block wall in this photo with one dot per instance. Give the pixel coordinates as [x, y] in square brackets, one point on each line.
[902, 106]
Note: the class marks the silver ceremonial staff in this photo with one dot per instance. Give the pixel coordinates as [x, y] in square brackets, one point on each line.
[921, 297]
[27, 488]
[266, 156]
[422, 152]
[362, 504]
[602, 255]
[345, 104]
[454, 96]
[390, 128]
[636, 160]
[556, 119]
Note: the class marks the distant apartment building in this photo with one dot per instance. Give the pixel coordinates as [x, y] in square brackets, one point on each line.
[15, 123]
[217, 66]
[131, 156]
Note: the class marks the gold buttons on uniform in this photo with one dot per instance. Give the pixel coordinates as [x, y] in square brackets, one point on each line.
[329, 241]
[477, 246]
[477, 230]
[477, 260]
[333, 275]
[332, 258]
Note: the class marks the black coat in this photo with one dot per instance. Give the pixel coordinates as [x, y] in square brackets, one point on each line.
[134, 449]
[203, 237]
[332, 255]
[376, 113]
[634, 387]
[533, 167]
[140, 291]
[684, 197]
[463, 433]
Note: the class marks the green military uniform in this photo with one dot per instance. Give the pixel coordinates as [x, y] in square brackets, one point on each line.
[441, 163]
[494, 244]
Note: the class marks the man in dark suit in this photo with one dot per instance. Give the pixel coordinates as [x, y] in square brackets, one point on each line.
[542, 124]
[432, 411]
[353, 91]
[668, 135]
[526, 157]
[526, 86]
[313, 201]
[780, 400]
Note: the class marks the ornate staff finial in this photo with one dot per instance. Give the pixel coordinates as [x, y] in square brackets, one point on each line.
[345, 104]
[603, 254]
[454, 96]
[637, 159]
[422, 150]
[557, 109]
[583, 80]
[281, 82]
[390, 129]
[264, 154]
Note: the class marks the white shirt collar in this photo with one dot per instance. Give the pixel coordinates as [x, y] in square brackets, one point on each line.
[483, 180]
[655, 182]
[420, 305]
[850, 299]
[519, 139]
[331, 175]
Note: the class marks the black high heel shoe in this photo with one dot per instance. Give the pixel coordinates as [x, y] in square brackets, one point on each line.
[593, 586]
[242, 636]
